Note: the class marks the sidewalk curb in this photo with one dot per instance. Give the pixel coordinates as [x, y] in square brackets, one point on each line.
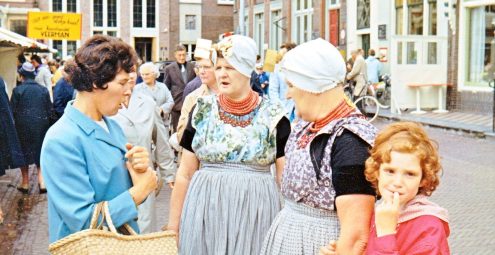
[477, 131]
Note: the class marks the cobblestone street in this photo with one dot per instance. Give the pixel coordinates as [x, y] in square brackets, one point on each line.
[466, 190]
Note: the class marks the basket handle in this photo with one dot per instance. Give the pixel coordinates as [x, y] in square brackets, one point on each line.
[96, 214]
[108, 219]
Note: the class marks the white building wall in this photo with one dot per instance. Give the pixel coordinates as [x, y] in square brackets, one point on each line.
[420, 73]
[189, 8]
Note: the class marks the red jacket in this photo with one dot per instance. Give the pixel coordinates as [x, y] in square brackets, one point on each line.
[424, 235]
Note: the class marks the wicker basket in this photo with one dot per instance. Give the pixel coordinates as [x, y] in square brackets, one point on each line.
[98, 240]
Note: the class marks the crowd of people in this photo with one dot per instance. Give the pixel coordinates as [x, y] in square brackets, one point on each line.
[258, 163]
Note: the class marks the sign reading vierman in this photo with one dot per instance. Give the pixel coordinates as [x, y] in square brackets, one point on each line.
[54, 25]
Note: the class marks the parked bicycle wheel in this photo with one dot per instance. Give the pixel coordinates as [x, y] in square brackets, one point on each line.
[368, 106]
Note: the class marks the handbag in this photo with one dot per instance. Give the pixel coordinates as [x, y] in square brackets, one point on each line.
[106, 240]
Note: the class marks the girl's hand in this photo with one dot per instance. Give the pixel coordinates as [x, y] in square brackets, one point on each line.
[386, 216]
[330, 249]
[138, 158]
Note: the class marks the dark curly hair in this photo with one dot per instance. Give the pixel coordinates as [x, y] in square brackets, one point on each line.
[98, 61]
[405, 137]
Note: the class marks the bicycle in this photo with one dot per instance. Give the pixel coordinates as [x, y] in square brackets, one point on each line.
[373, 97]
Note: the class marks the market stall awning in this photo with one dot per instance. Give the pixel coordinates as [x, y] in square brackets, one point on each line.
[11, 39]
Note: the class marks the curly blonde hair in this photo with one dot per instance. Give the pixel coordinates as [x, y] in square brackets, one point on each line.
[405, 137]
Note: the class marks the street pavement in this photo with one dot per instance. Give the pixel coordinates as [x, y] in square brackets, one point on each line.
[466, 189]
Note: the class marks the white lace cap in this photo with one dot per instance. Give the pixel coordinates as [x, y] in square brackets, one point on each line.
[315, 66]
[240, 51]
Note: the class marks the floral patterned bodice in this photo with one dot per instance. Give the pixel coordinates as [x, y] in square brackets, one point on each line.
[219, 142]
[299, 181]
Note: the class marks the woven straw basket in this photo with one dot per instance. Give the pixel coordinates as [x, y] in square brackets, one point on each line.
[96, 240]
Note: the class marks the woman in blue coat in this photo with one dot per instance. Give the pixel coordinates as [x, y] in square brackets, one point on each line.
[85, 158]
[31, 107]
[10, 148]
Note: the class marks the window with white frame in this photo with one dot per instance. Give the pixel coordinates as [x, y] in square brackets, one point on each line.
[57, 6]
[363, 14]
[71, 5]
[415, 11]
[334, 2]
[105, 17]
[246, 25]
[303, 20]
[18, 26]
[410, 19]
[150, 13]
[259, 31]
[276, 29]
[480, 38]
[144, 13]
[190, 22]
[64, 47]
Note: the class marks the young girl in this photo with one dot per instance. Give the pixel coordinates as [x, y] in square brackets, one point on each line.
[403, 168]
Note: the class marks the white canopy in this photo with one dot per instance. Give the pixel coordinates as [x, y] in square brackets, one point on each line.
[9, 38]
[11, 45]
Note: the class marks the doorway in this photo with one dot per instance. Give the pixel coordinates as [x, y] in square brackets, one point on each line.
[365, 44]
[143, 48]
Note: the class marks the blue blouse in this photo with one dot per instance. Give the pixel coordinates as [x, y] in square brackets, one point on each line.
[82, 165]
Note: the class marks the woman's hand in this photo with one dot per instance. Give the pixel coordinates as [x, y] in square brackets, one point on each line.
[138, 157]
[386, 216]
[143, 184]
[330, 249]
[143, 177]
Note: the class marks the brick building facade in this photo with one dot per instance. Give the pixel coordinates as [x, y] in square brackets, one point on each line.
[153, 27]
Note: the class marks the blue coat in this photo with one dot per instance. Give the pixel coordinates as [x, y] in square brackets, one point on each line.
[32, 109]
[10, 148]
[82, 165]
[62, 94]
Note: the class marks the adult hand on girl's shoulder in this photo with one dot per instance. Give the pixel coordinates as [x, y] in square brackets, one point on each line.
[387, 215]
[330, 249]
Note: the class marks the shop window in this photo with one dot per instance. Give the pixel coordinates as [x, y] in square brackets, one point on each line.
[481, 50]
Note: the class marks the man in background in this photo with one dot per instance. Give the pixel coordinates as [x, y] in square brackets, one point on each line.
[177, 75]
